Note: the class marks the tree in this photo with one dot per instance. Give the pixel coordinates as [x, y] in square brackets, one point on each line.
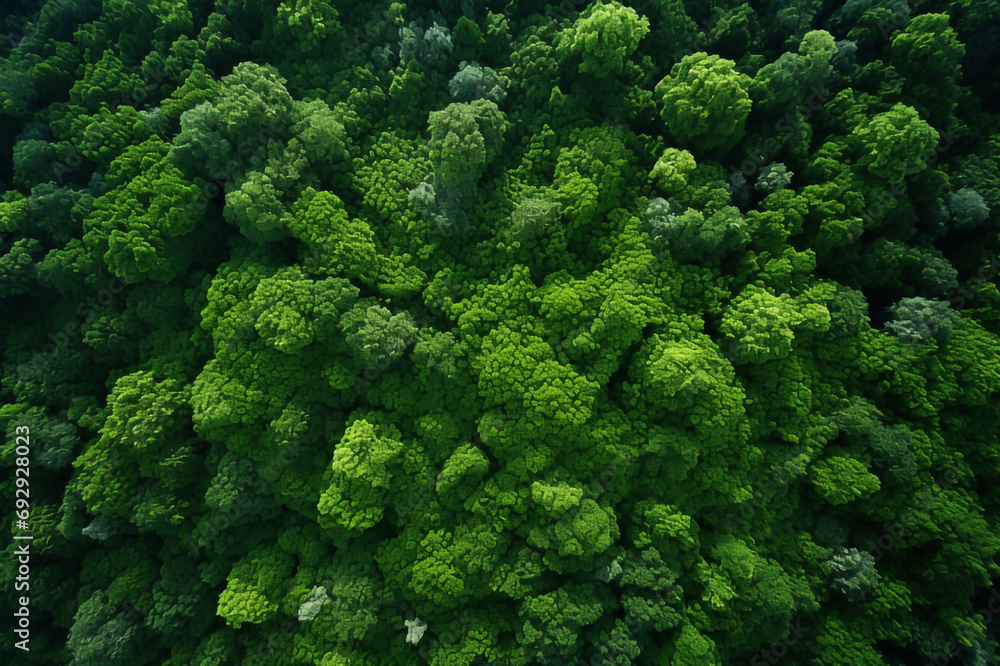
[318, 135]
[473, 82]
[840, 479]
[461, 472]
[704, 102]
[692, 647]
[852, 573]
[929, 54]
[604, 37]
[104, 81]
[760, 326]
[788, 81]
[252, 100]
[534, 216]
[378, 336]
[342, 246]
[102, 633]
[253, 206]
[917, 320]
[534, 68]
[967, 208]
[141, 226]
[467, 38]
[432, 46]
[464, 138]
[895, 143]
[689, 236]
[673, 171]
[200, 144]
[359, 480]
[198, 87]
[553, 622]
[254, 586]
[772, 178]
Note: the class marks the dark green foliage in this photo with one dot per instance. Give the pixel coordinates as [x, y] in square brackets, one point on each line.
[852, 573]
[919, 319]
[967, 208]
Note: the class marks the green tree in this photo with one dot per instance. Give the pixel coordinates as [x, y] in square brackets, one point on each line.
[895, 143]
[704, 102]
[359, 480]
[603, 38]
[464, 138]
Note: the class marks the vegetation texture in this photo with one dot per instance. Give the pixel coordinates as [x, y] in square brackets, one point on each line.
[657, 332]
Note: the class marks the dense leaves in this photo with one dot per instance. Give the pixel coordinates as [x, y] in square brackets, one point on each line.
[656, 332]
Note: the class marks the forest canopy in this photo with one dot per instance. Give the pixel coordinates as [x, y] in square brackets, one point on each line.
[659, 332]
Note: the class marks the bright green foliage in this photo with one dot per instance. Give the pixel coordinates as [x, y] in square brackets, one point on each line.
[604, 37]
[253, 207]
[895, 143]
[318, 136]
[673, 170]
[760, 326]
[704, 102]
[754, 589]
[254, 586]
[342, 246]
[839, 480]
[359, 480]
[376, 335]
[251, 99]
[553, 622]
[140, 225]
[462, 471]
[198, 87]
[104, 81]
[692, 647]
